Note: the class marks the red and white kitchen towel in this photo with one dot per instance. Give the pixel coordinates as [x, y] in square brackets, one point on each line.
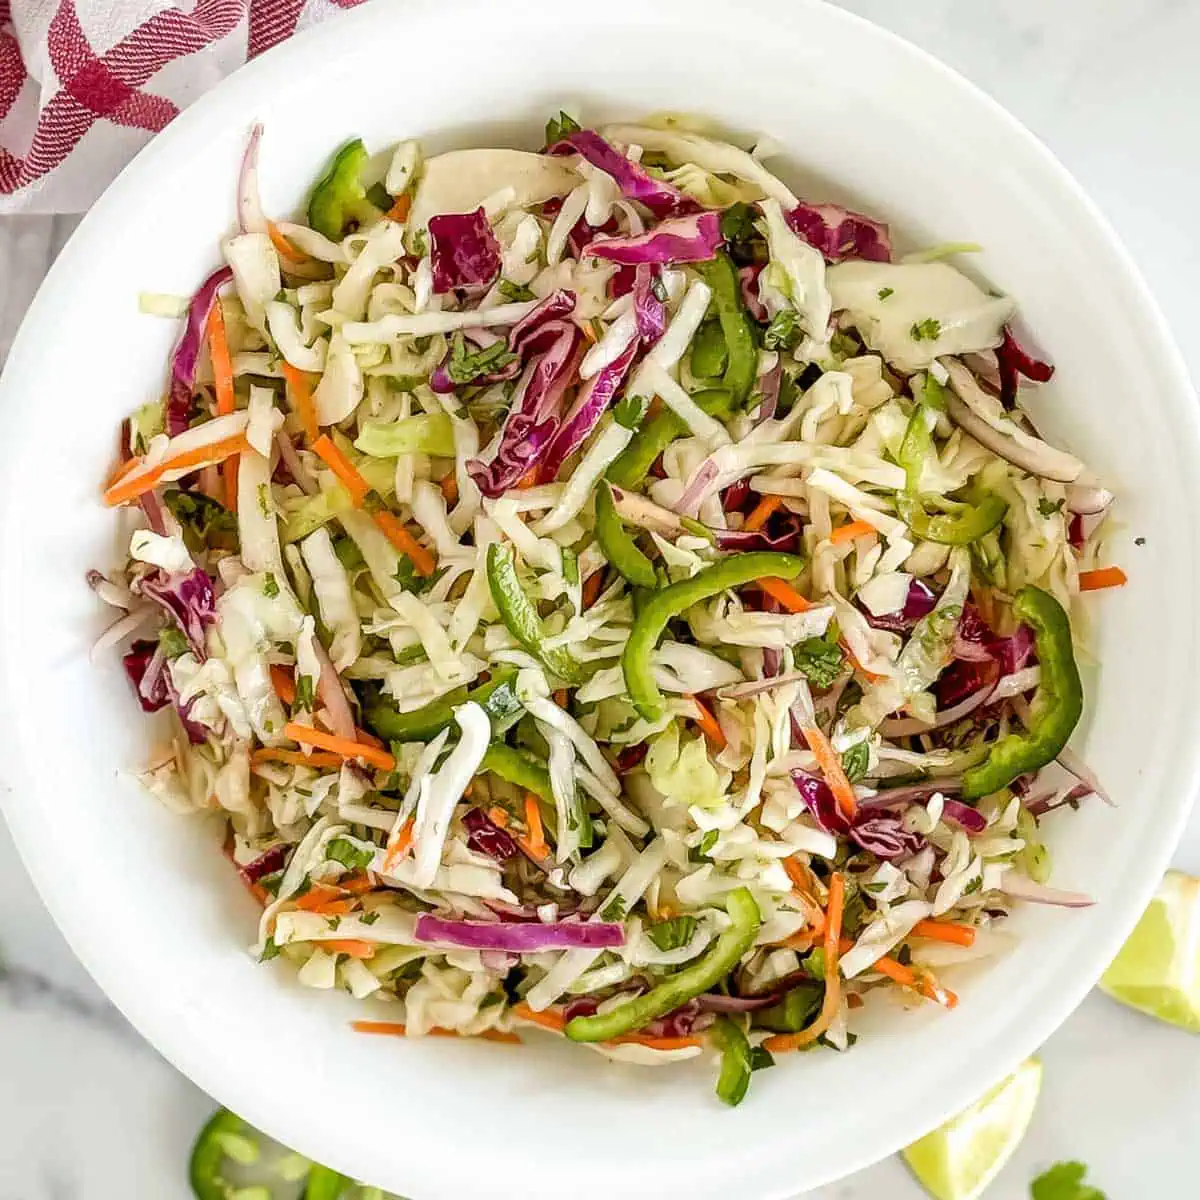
[84, 84]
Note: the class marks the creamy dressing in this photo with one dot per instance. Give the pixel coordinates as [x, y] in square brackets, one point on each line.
[912, 313]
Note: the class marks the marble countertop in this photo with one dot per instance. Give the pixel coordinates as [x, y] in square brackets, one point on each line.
[91, 1112]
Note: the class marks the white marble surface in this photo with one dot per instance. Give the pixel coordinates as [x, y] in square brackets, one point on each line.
[90, 1112]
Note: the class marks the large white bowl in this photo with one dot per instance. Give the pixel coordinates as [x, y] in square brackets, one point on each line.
[154, 911]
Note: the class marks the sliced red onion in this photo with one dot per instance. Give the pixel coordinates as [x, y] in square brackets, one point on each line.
[913, 793]
[635, 182]
[712, 1002]
[151, 505]
[680, 240]
[1088, 500]
[963, 814]
[250, 213]
[919, 603]
[768, 386]
[968, 651]
[1013, 361]
[186, 354]
[188, 598]
[1046, 802]
[689, 500]
[739, 691]
[463, 250]
[648, 309]
[485, 837]
[840, 233]
[267, 863]
[1010, 685]
[1021, 887]
[287, 452]
[680, 1022]
[581, 1006]
[788, 536]
[772, 659]
[525, 938]
[641, 511]
[146, 667]
[1071, 761]
[332, 694]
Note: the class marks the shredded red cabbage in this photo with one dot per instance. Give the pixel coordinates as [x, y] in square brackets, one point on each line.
[679, 240]
[485, 837]
[146, 666]
[635, 182]
[783, 532]
[267, 863]
[189, 599]
[920, 602]
[650, 311]
[178, 411]
[1013, 361]
[964, 815]
[464, 251]
[988, 657]
[840, 233]
[882, 833]
[886, 837]
[523, 938]
[748, 279]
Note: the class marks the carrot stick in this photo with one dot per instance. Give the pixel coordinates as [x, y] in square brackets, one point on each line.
[708, 724]
[343, 468]
[449, 485]
[397, 848]
[592, 587]
[855, 529]
[296, 757]
[283, 683]
[907, 977]
[319, 895]
[833, 980]
[802, 888]
[1102, 577]
[307, 736]
[136, 482]
[386, 1028]
[218, 350]
[831, 768]
[945, 931]
[533, 822]
[127, 467]
[327, 908]
[283, 247]
[404, 541]
[353, 947]
[299, 390]
[785, 594]
[761, 514]
[654, 1043]
[400, 209]
[356, 885]
[548, 1019]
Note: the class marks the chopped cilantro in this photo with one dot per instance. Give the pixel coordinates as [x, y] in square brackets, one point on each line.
[1064, 1181]
[761, 1058]
[419, 242]
[630, 411]
[928, 330]
[270, 586]
[304, 692]
[369, 918]
[783, 331]
[344, 851]
[264, 499]
[1049, 507]
[205, 522]
[172, 642]
[701, 852]
[333, 923]
[820, 661]
[856, 760]
[570, 566]
[269, 951]
[559, 127]
[514, 291]
[875, 887]
[464, 367]
[884, 293]
[673, 934]
[614, 908]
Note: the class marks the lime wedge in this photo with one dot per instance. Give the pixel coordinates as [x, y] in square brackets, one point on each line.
[960, 1158]
[1158, 969]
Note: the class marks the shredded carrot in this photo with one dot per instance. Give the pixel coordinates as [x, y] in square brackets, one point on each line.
[498, 817]
[785, 594]
[343, 468]
[386, 1028]
[762, 513]
[855, 529]
[533, 822]
[352, 947]
[529, 479]
[802, 886]
[125, 468]
[398, 847]
[708, 724]
[404, 541]
[945, 931]
[654, 1043]
[218, 350]
[800, 941]
[369, 739]
[922, 982]
[283, 246]
[1102, 577]
[592, 587]
[356, 885]
[283, 683]
[547, 1019]
[400, 209]
[319, 895]
[831, 767]
[299, 388]
[328, 908]
[449, 485]
[296, 757]
[833, 980]
[307, 736]
[134, 482]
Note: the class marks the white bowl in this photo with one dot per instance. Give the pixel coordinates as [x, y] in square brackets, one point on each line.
[150, 905]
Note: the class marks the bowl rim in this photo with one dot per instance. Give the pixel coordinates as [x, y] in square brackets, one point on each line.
[237, 92]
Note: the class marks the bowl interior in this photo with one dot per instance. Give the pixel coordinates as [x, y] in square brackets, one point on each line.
[152, 908]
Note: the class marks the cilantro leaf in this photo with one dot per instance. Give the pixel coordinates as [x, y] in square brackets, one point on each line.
[369, 918]
[269, 951]
[821, 661]
[304, 692]
[856, 760]
[558, 127]
[928, 330]
[514, 291]
[344, 851]
[205, 522]
[1064, 1181]
[614, 908]
[463, 367]
[1049, 507]
[885, 292]
[700, 853]
[673, 934]
[270, 586]
[630, 411]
